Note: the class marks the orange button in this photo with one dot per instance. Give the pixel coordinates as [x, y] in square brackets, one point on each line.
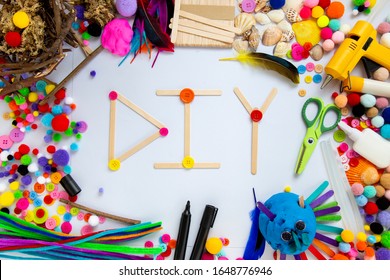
[56, 177]
[39, 188]
[187, 95]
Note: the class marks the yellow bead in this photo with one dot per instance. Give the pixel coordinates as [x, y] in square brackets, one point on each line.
[49, 88]
[14, 185]
[7, 199]
[214, 245]
[21, 19]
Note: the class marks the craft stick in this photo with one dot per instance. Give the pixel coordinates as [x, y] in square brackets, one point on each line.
[268, 100]
[328, 228]
[206, 28]
[187, 129]
[175, 21]
[317, 192]
[301, 202]
[111, 141]
[316, 253]
[206, 34]
[210, 22]
[86, 49]
[139, 146]
[217, 12]
[198, 92]
[255, 139]
[179, 165]
[323, 247]
[139, 111]
[243, 100]
[303, 256]
[100, 213]
[72, 74]
[326, 239]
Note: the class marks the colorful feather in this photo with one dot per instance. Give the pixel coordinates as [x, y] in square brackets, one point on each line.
[269, 62]
[153, 30]
[255, 245]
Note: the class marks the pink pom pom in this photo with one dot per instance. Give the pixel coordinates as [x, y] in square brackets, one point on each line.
[326, 33]
[305, 12]
[328, 45]
[382, 102]
[357, 189]
[383, 28]
[311, 3]
[338, 37]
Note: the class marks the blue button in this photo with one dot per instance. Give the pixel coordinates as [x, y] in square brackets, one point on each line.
[317, 78]
[301, 69]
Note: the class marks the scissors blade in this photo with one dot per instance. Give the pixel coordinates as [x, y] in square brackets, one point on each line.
[300, 165]
[308, 146]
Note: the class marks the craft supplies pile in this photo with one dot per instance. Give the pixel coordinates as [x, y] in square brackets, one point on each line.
[299, 41]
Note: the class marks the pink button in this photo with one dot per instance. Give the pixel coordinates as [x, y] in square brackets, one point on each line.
[16, 135]
[296, 53]
[351, 154]
[80, 216]
[248, 6]
[50, 223]
[343, 147]
[5, 142]
[87, 229]
[310, 66]
[165, 238]
[66, 227]
[355, 123]
[22, 203]
[102, 220]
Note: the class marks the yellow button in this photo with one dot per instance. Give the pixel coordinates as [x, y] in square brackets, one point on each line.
[56, 177]
[29, 216]
[6, 116]
[308, 79]
[61, 210]
[188, 162]
[57, 219]
[114, 164]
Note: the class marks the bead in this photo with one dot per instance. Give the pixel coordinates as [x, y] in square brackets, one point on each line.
[21, 19]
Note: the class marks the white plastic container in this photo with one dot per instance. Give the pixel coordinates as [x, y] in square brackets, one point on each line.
[369, 145]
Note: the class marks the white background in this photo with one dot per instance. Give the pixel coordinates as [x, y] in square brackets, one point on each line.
[220, 132]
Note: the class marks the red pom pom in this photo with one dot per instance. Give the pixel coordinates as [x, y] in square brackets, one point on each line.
[43, 108]
[371, 208]
[324, 3]
[13, 39]
[353, 99]
[334, 95]
[24, 149]
[60, 123]
[305, 12]
[51, 149]
[60, 94]
[17, 156]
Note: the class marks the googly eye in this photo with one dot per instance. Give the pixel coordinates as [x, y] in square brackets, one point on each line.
[300, 225]
[286, 236]
[310, 141]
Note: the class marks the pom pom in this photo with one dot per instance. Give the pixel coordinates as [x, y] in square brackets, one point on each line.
[335, 10]
[326, 33]
[381, 74]
[357, 189]
[341, 101]
[126, 8]
[372, 112]
[93, 220]
[214, 245]
[386, 114]
[385, 40]
[353, 99]
[384, 218]
[13, 39]
[368, 100]
[347, 236]
[358, 110]
[323, 21]
[94, 29]
[361, 200]
[371, 208]
[277, 4]
[324, 3]
[385, 239]
[382, 254]
[345, 28]
[334, 24]
[328, 45]
[377, 121]
[358, 2]
[383, 28]
[381, 102]
[60, 123]
[385, 131]
[369, 191]
[21, 19]
[338, 37]
[305, 12]
[344, 247]
[317, 11]
[310, 3]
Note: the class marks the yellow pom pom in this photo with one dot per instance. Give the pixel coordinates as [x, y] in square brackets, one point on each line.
[361, 236]
[347, 236]
[49, 88]
[14, 185]
[21, 20]
[378, 238]
[32, 96]
[287, 189]
[214, 245]
[322, 21]
[317, 11]
[366, 227]
[7, 199]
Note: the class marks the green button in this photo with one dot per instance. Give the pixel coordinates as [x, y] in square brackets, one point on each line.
[339, 136]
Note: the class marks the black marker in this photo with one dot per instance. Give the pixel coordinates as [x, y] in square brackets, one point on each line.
[182, 236]
[208, 218]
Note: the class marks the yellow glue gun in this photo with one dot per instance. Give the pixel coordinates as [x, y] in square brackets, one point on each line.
[360, 42]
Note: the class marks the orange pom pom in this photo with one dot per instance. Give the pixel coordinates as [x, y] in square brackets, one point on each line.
[335, 10]
[370, 252]
[361, 246]
[340, 257]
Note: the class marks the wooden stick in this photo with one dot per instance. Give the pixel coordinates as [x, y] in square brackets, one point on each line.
[100, 213]
[175, 21]
[301, 202]
[243, 100]
[210, 22]
[198, 92]
[139, 111]
[268, 100]
[111, 141]
[255, 139]
[206, 28]
[139, 146]
[72, 74]
[187, 129]
[86, 49]
[179, 165]
[206, 34]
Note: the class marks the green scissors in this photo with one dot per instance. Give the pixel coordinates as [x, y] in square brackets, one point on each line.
[315, 128]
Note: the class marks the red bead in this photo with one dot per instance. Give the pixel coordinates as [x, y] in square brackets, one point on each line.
[24, 149]
[13, 39]
[34, 126]
[371, 208]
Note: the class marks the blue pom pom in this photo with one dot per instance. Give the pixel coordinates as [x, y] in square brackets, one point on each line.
[386, 115]
[46, 119]
[277, 4]
[344, 247]
[385, 131]
[361, 200]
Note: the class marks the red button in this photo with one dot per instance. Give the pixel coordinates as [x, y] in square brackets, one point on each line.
[256, 115]
[353, 162]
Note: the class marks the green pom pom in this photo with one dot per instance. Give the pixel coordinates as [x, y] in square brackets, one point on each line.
[385, 239]
[358, 2]
[367, 11]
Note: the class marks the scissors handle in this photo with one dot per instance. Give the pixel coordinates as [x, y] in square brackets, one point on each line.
[321, 114]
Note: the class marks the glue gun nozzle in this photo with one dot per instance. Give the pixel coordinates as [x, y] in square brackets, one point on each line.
[326, 81]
